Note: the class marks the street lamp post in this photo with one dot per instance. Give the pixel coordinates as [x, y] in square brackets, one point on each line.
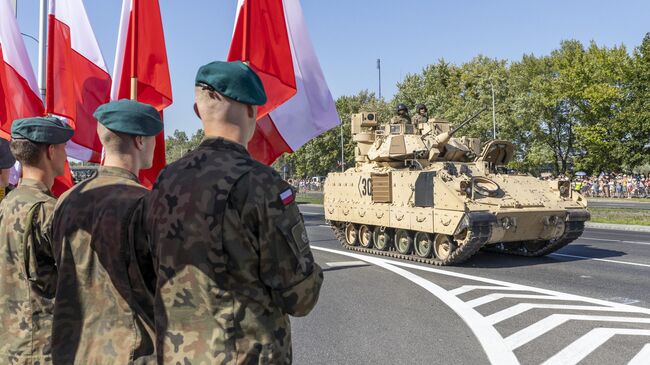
[494, 114]
[342, 151]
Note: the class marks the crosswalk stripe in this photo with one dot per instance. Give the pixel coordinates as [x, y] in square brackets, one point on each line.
[468, 288]
[523, 307]
[642, 357]
[582, 347]
[537, 329]
[496, 296]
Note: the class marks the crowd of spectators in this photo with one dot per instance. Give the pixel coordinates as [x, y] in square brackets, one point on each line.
[613, 185]
[307, 185]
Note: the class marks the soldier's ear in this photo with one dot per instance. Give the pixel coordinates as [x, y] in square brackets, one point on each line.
[196, 111]
[252, 111]
[139, 142]
[49, 151]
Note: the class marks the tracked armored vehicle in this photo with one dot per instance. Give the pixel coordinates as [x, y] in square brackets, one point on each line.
[419, 192]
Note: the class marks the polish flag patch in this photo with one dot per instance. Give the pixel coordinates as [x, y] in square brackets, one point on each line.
[287, 196]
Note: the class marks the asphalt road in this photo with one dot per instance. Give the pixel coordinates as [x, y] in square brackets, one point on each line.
[589, 303]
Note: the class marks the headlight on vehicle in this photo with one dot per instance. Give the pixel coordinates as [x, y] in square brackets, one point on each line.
[565, 188]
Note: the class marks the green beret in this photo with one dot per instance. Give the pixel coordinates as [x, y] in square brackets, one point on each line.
[47, 130]
[233, 79]
[129, 117]
[6, 158]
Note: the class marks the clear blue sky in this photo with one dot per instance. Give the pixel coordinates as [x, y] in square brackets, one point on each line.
[349, 35]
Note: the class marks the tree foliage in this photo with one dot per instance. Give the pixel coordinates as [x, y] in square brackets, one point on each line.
[581, 107]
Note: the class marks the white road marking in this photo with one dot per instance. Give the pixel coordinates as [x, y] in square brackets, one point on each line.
[310, 213]
[496, 296]
[642, 357]
[537, 329]
[596, 259]
[610, 240]
[499, 282]
[520, 308]
[489, 338]
[347, 263]
[495, 346]
[468, 288]
[582, 347]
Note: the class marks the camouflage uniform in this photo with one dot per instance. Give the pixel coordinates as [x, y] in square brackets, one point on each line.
[27, 275]
[418, 118]
[104, 303]
[232, 259]
[398, 119]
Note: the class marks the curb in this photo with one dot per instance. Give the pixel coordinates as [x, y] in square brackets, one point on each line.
[618, 227]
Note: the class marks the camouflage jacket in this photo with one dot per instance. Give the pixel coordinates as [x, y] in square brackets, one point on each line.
[398, 119]
[103, 309]
[27, 275]
[232, 259]
[417, 119]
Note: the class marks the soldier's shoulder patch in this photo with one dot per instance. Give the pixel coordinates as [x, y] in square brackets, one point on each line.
[287, 196]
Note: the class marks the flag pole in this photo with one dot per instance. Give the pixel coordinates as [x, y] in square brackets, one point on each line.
[246, 9]
[42, 46]
[134, 49]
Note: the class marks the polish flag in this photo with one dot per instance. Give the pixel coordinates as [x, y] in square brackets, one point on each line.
[141, 54]
[261, 35]
[19, 96]
[77, 78]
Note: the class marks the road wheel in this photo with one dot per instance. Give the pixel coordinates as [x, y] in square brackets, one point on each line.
[403, 241]
[351, 234]
[423, 244]
[443, 246]
[365, 236]
[381, 238]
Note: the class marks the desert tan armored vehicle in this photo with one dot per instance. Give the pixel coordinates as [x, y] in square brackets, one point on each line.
[420, 193]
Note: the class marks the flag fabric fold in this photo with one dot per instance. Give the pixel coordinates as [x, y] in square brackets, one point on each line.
[141, 54]
[310, 111]
[19, 96]
[77, 78]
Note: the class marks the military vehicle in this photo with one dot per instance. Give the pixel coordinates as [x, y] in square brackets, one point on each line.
[418, 192]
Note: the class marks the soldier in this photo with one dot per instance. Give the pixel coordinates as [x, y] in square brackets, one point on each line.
[7, 161]
[103, 313]
[27, 269]
[420, 114]
[232, 254]
[402, 115]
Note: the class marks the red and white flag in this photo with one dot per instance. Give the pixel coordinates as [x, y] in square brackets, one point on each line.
[77, 78]
[261, 36]
[19, 97]
[141, 54]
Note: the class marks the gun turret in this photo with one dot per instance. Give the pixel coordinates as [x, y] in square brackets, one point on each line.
[440, 141]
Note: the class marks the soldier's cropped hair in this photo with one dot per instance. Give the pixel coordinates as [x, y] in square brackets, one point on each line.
[114, 142]
[27, 152]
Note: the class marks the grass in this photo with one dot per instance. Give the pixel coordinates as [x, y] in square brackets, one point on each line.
[620, 216]
[307, 198]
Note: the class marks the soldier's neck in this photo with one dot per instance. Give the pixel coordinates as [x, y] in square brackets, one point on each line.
[229, 131]
[126, 162]
[38, 174]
